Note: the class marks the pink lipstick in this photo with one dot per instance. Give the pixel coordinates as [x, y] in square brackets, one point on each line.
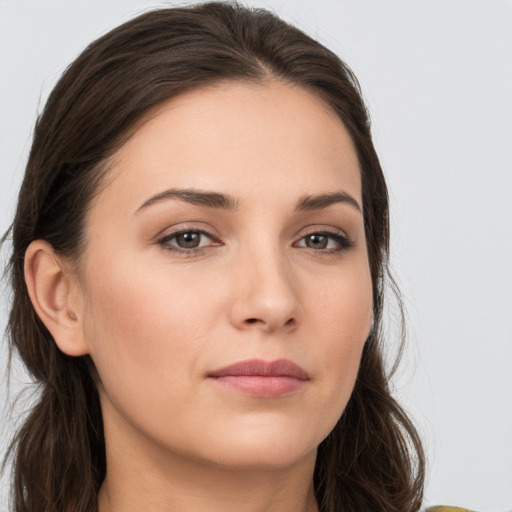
[258, 378]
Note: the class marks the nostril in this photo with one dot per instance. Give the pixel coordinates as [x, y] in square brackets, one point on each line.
[289, 322]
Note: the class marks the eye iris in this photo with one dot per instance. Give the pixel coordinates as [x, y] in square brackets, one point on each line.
[188, 240]
[316, 241]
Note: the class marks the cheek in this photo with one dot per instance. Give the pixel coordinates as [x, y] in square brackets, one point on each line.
[344, 311]
[343, 317]
[143, 327]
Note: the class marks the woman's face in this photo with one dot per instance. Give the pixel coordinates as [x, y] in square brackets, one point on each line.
[229, 232]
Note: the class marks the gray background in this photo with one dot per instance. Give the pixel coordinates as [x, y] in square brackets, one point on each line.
[437, 76]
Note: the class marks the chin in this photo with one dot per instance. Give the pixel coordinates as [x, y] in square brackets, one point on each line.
[262, 448]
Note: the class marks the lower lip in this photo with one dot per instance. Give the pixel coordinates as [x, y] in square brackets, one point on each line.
[260, 386]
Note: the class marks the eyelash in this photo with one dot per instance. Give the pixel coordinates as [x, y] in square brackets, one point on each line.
[341, 239]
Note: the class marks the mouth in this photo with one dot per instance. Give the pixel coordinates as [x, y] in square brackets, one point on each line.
[262, 379]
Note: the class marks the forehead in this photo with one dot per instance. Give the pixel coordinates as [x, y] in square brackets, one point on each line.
[249, 140]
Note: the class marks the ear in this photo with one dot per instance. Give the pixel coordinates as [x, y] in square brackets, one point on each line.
[54, 295]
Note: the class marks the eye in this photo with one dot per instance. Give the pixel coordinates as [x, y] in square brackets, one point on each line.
[326, 241]
[189, 241]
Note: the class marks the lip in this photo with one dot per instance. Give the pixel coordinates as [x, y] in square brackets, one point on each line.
[263, 379]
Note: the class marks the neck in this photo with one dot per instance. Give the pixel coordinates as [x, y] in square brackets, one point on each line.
[142, 475]
[184, 486]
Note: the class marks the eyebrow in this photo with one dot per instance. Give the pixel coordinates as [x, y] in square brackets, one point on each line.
[226, 202]
[197, 197]
[320, 201]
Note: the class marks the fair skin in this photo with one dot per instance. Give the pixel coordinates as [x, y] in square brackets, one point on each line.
[264, 279]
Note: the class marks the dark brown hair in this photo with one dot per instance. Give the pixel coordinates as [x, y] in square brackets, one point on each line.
[372, 460]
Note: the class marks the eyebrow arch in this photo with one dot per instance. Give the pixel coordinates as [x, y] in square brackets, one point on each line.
[197, 197]
[320, 201]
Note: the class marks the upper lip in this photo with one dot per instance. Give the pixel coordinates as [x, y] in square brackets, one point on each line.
[259, 367]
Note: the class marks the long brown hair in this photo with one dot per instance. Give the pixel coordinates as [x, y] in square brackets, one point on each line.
[372, 460]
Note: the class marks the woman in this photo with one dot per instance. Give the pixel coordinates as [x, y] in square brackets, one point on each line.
[199, 260]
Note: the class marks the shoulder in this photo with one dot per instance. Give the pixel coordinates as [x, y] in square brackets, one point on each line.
[448, 509]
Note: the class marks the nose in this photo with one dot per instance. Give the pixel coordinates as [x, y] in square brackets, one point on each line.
[265, 295]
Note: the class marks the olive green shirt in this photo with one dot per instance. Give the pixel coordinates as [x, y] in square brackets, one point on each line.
[448, 509]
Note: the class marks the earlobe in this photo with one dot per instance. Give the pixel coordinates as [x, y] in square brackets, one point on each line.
[51, 293]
